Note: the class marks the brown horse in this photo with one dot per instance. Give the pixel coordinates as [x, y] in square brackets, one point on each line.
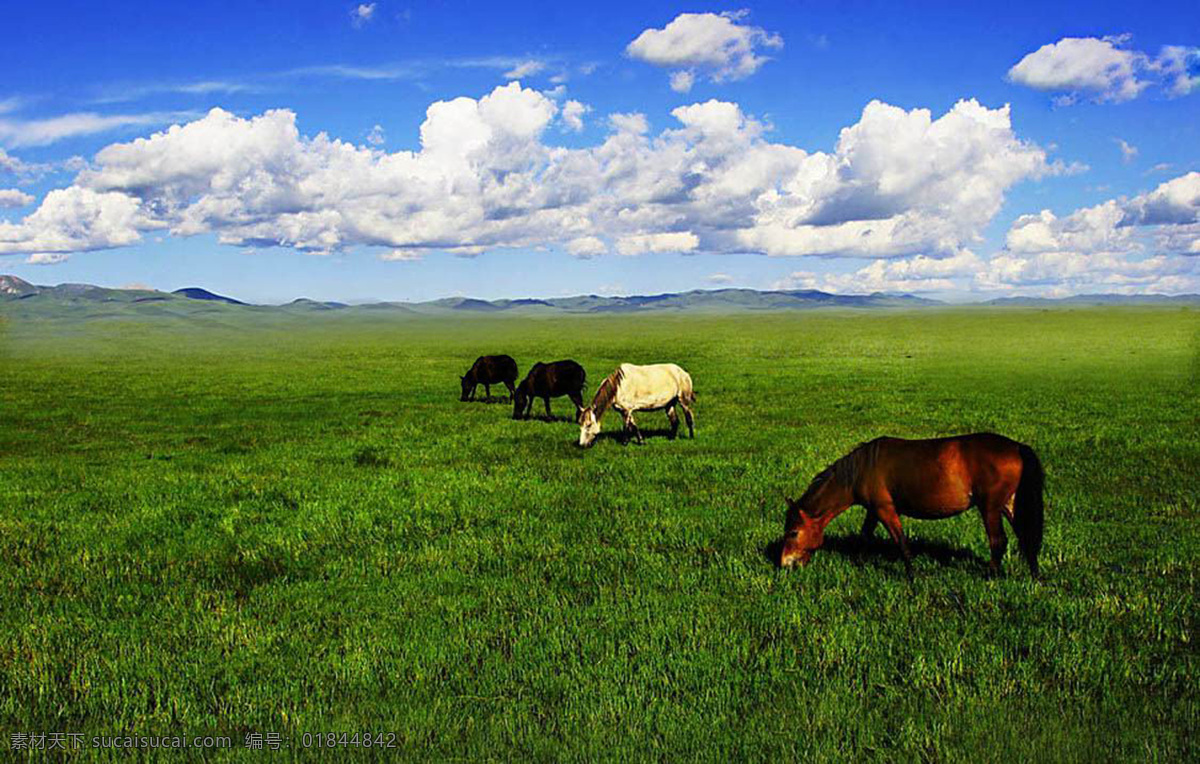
[927, 479]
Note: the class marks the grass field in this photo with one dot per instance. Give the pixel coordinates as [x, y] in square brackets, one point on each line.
[294, 526]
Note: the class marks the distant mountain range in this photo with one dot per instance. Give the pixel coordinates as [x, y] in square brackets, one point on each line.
[87, 301]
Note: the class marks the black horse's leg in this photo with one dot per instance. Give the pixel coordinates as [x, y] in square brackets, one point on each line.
[891, 521]
[512, 391]
[487, 391]
[546, 400]
[577, 399]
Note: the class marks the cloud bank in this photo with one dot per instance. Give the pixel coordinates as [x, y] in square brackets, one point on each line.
[897, 183]
[1149, 243]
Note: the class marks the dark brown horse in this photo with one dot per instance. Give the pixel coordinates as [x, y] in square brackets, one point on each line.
[546, 381]
[489, 370]
[927, 479]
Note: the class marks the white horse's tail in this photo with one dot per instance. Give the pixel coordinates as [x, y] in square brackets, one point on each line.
[686, 393]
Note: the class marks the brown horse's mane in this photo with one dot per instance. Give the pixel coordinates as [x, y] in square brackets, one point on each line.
[606, 392]
[846, 470]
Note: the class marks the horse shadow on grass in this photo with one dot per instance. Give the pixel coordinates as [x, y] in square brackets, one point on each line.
[630, 439]
[490, 399]
[552, 419]
[879, 552]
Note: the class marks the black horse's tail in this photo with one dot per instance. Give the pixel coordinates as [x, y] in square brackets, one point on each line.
[1029, 507]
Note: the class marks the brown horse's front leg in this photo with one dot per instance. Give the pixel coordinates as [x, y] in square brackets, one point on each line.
[891, 521]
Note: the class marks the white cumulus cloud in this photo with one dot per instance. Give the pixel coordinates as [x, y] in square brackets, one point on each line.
[586, 247]
[682, 81]
[719, 46]
[362, 14]
[572, 115]
[12, 197]
[640, 244]
[402, 255]
[47, 258]
[1105, 69]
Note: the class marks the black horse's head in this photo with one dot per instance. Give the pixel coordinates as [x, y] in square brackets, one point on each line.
[521, 399]
[468, 386]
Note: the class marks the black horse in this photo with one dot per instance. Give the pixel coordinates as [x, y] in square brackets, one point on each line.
[546, 381]
[489, 370]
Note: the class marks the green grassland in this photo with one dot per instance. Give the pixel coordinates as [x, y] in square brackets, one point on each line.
[291, 524]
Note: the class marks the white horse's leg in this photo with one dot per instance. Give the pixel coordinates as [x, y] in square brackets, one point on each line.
[687, 413]
[631, 425]
[674, 420]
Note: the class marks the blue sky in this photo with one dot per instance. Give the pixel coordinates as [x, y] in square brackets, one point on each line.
[779, 145]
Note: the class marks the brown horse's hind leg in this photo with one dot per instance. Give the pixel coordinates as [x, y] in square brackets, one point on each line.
[869, 523]
[993, 511]
[891, 521]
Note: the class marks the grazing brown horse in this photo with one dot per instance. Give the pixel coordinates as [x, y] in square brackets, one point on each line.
[546, 381]
[489, 370]
[927, 479]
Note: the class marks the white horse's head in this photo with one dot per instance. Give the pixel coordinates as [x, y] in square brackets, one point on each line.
[589, 427]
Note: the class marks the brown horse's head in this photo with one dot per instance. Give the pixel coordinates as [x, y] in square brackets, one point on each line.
[802, 533]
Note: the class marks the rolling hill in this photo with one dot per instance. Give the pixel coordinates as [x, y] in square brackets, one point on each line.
[19, 298]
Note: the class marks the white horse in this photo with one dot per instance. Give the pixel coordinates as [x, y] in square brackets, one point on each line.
[639, 388]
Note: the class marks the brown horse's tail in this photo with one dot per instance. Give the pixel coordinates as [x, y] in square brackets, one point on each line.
[1029, 507]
